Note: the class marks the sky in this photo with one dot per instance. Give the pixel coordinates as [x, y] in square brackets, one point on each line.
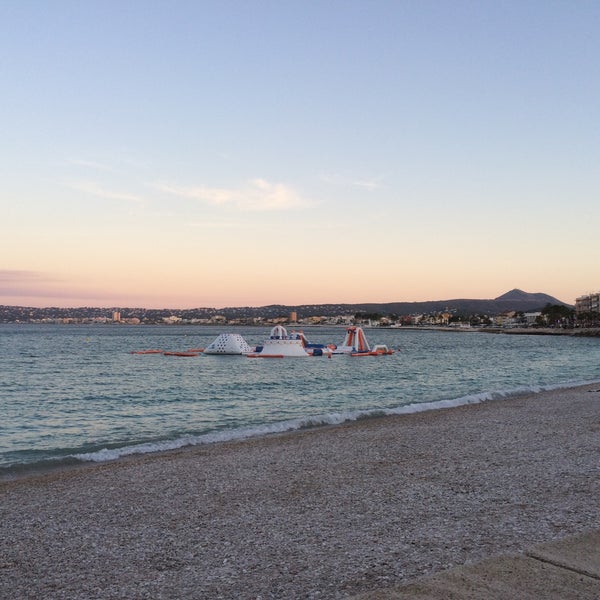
[217, 153]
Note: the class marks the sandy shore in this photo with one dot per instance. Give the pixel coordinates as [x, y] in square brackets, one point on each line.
[326, 513]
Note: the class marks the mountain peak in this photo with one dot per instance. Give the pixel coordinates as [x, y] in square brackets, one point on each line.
[517, 295]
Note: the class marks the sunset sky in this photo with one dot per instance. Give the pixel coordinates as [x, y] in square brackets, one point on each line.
[190, 153]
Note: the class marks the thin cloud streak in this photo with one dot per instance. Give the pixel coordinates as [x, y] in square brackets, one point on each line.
[217, 225]
[256, 195]
[22, 276]
[341, 181]
[90, 187]
[26, 283]
[89, 164]
[39, 288]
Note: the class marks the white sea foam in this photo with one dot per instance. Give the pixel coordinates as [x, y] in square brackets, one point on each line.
[117, 404]
[334, 418]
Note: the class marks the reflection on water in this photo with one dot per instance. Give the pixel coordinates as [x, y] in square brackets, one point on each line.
[70, 389]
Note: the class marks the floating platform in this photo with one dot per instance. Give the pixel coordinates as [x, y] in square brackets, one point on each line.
[229, 344]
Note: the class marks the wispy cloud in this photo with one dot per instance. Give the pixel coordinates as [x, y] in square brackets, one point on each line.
[91, 187]
[40, 287]
[17, 282]
[89, 164]
[369, 185]
[255, 195]
[217, 225]
[121, 162]
[22, 276]
[341, 180]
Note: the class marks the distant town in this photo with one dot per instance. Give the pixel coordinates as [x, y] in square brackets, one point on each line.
[585, 313]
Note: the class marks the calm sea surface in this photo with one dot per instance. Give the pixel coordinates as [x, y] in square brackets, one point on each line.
[75, 392]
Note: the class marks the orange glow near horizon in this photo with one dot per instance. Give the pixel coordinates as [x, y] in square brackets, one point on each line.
[294, 295]
[366, 178]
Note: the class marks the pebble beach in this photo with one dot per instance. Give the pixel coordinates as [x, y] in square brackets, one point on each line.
[330, 512]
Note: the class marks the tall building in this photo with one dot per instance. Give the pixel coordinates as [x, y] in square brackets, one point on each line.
[588, 303]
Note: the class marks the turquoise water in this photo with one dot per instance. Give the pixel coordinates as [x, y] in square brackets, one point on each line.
[75, 392]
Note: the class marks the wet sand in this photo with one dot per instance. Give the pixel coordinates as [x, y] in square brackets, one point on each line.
[323, 513]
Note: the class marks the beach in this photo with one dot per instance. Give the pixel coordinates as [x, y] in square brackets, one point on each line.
[330, 512]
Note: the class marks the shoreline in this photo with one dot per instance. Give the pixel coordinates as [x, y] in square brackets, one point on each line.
[75, 462]
[574, 332]
[327, 512]
[569, 332]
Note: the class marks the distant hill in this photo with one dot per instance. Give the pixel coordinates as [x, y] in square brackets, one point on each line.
[521, 296]
[516, 300]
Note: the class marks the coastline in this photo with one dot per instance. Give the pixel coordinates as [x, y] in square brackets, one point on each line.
[80, 460]
[327, 512]
[573, 332]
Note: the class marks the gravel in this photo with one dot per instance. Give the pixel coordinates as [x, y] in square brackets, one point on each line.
[324, 513]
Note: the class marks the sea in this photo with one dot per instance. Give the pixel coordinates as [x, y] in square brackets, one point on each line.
[71, 394]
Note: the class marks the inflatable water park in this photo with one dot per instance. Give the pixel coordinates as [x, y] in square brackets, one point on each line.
[281, 344]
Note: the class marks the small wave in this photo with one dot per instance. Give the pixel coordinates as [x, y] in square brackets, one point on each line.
[336, 418]
[18, 470]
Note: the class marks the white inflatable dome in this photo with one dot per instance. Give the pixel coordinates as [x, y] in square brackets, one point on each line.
[228, 343]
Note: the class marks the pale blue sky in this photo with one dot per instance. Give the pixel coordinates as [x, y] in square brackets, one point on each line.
[180, 153]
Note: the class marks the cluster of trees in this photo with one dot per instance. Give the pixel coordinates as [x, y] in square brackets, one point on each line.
[473, 320]
[552, 315]
[557, 315]
[589, 319]
[372, 316]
